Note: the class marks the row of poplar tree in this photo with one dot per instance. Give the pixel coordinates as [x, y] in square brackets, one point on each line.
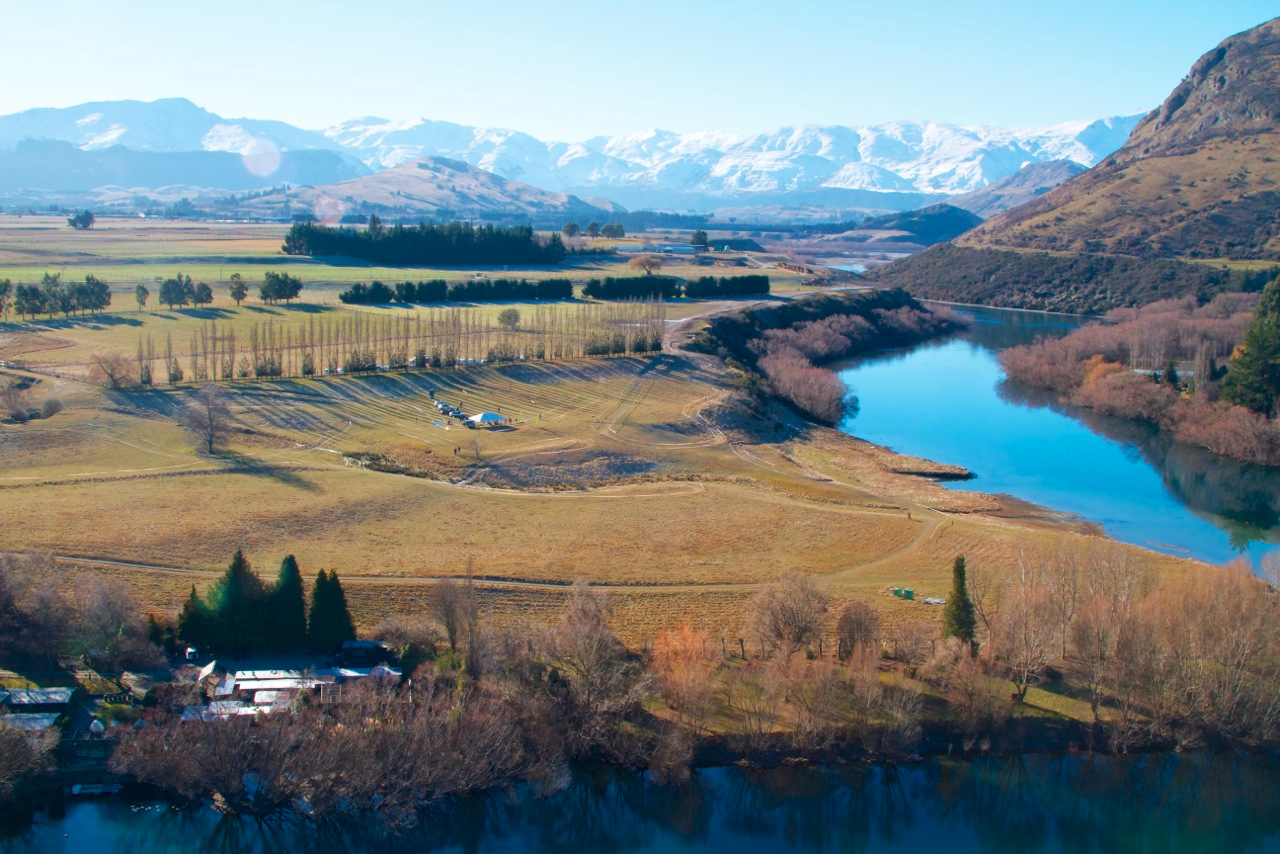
[242, 612]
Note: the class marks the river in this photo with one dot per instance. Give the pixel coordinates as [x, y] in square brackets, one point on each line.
[1198, 802]
[948, 401]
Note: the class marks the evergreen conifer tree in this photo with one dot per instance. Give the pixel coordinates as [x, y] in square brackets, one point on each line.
[344, 627]
[287, 613]
[316, 629]
[238, 603]
[331, 622]
[193, 621]
[958, 620]
[1254, 379]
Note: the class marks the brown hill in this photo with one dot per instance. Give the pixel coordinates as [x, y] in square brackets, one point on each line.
[1197, 178]
[434, 187]
[1029, 182]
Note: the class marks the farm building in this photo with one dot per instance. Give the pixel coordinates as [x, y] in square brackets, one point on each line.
[38, 700]
[31, 722]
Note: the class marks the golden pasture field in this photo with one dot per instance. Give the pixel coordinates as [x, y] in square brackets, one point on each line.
[654, 476]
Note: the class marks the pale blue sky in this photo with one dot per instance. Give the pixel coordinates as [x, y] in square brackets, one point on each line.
[568, 71]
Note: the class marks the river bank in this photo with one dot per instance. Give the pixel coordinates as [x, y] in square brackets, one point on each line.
[1135, 483]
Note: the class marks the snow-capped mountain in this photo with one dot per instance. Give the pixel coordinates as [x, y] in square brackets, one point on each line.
[928, 157]
[168, 125]
[920, 159]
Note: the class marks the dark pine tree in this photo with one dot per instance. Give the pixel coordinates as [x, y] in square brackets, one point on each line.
[958, 620]
[331, 622]
[316, 628]
[239, 602]
[193, 621]
[1254, 378]
[287, 611]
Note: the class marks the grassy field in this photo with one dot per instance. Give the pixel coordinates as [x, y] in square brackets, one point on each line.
[126, 253]
[653, 476]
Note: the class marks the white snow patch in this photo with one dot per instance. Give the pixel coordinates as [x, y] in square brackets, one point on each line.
[104, 139]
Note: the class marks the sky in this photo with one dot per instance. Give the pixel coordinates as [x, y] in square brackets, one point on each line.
[570, 71]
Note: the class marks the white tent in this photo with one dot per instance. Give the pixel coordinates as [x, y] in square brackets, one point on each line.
[488, 418]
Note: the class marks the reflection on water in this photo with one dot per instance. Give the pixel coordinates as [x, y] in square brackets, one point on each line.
[1140, 485]
[1239, 498]
[1167, 803]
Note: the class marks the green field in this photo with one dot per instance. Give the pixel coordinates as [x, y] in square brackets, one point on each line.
[127, 252]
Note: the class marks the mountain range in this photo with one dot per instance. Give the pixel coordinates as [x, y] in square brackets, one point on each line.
[1197, 181]
[891, 166]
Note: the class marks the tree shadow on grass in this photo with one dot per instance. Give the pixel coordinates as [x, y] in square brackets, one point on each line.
[207, 313]
[238, 463]
[93, 321]
[263, 309]
[309, 308]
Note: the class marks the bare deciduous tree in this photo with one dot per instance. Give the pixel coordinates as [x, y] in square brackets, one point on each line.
[22, 753]
[859, 625]
[788, 613]
[207, 417]
[1094, 634]
[817, 691]
[445, 604]
[113, 370]
[912, 641]
[972, 703]
[754, 699]
[985, 592]
[1062, 578]
[1024, 637]
[683, 665]
[14, 401]
[108, 620]
[605, 683]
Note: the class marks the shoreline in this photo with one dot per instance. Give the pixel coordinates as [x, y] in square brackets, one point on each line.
[1051, 740]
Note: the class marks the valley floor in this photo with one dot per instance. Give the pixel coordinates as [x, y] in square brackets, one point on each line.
[650, 476]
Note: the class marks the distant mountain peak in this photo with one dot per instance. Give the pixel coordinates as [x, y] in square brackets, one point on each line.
[1196, 178]
[849, 166]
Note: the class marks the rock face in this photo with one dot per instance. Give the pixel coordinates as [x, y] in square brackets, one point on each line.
[1197, 178]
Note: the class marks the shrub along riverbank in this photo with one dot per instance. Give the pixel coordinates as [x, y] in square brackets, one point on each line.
[784, 345]
[1130, 661]
[1203, 372]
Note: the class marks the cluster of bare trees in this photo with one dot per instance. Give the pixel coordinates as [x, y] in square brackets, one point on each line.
[1194, 658]
[1163, 363]
[23, 754]
[790, 691]
[44, 613]
[378, 747]
[353, 342]
[789, 347]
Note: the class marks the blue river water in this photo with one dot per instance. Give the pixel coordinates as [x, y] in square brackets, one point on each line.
[1167, 803]
[948, 401]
